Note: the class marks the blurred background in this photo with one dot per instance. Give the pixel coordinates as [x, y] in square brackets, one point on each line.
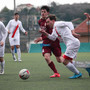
[78, 13]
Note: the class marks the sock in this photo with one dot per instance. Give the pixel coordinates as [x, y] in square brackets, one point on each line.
[19, 53]
[2, 65]
[74, 63]
[72, 68]
[13, 54]
[52, 66]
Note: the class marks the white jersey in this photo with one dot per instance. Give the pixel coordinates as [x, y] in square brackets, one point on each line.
[3, 35]
[64, 30]
[3, 32]
[11, 27]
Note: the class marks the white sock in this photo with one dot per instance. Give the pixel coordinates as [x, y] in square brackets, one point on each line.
[72, 68]
[19, 53]
[74, 63]
[2, 65]
[13, 54]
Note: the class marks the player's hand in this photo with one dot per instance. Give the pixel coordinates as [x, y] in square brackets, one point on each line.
[76, 35]
[26, 33]
[35, 41]
[1, 43]
[9, 32]
[43, 32]
[38, 40]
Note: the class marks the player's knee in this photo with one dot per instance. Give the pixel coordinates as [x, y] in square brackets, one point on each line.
[59, 60]
[65, 62]
[17, 46]
[12, 47]
[1, 59]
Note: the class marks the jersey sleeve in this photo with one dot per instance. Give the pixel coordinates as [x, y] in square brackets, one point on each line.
[4, 31]
[69, 25]
[8, 25]
[53, 36]
[21, 28]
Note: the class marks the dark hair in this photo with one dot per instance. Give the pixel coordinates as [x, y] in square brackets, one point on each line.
[45, 7]
[51, 17]
[16, 13]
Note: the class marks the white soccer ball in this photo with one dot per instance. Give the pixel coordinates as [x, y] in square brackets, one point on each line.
[24, 74]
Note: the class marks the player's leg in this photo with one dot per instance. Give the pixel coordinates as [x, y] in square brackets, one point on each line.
[18, 52]
[17, 43]
[2, 61]
[12, 43]
[13, 53]
[68, 63]
[85, 65]
[47, 53]
[57, 52]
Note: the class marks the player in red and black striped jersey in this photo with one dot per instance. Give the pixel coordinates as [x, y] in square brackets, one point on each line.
[48, 45]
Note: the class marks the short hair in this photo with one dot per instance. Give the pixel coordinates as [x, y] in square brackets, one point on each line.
[51, 17]
[16, 13]
[45, 7]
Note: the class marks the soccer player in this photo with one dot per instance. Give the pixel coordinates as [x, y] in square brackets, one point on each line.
[13, 28]
[3, 35]
[48, 45]
[63, 30]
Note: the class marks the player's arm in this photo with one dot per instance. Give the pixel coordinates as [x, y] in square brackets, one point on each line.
[71, 27]
[22, 29]
[52, 36]
[4, 31]
[38, 39]
[8, 27]
[75, 34]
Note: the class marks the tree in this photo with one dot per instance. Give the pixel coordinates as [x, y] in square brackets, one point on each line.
[5, 9]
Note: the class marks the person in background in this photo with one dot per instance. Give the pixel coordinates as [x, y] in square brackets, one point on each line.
[3, 35]
[13, 28]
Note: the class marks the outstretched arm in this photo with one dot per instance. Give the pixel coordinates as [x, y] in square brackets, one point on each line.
[38, 40]
[75, 34]
[52, 36]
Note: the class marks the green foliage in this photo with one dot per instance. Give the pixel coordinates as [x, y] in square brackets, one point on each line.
[5, 9]
[64, 12]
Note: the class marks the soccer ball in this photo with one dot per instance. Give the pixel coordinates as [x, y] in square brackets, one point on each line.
[24, 74]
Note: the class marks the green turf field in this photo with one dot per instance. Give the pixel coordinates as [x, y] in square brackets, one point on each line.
[40, 72]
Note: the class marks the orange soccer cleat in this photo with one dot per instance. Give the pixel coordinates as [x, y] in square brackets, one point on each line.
[55, 75]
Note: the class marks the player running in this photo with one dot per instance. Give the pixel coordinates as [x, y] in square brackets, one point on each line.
[3, 35]
[48, 45]
[13, 27]
[63, 30]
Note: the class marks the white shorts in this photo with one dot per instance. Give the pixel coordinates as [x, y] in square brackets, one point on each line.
[14, 41]
[2, 51]
[71, 50]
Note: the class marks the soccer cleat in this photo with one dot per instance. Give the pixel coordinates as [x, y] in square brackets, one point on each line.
[1, 71]
[15, 60]
[76, 76]
[55, 75]
[88, 70]
[20, 60]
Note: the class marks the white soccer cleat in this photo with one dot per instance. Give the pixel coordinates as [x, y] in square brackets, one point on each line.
[15, 60]
[1, 71]
[20, 60]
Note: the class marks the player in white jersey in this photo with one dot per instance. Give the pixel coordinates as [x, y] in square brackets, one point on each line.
[13, 28]
[63, 30]
[3, 35]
